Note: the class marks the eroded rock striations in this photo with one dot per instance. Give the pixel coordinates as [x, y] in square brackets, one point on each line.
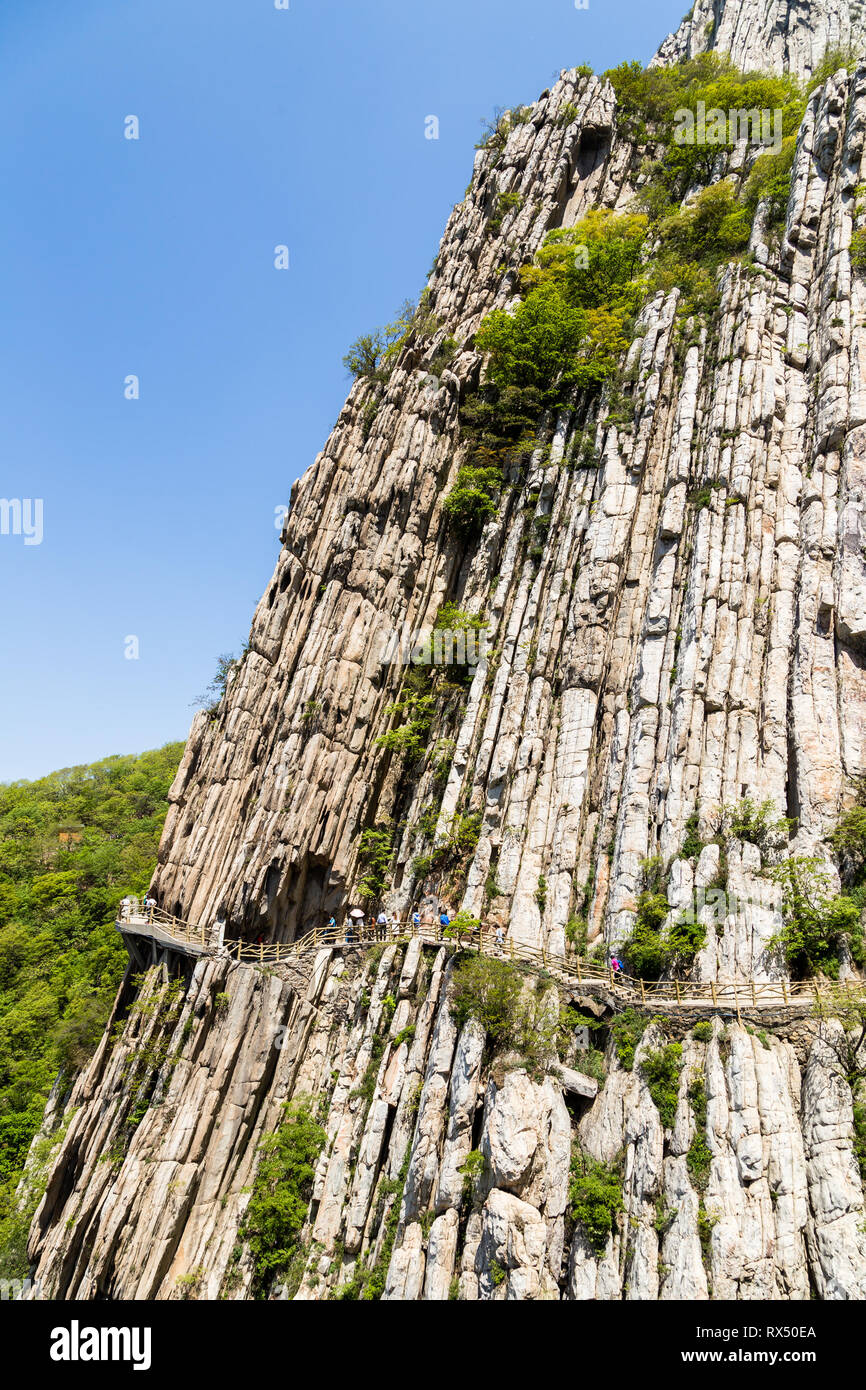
[154, 1172]
[778, 35]
[652, 660]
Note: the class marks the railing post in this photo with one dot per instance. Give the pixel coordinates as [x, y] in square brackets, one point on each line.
[642, 992]
[713, 992]
[239, 948]
[677, 987]
[785, 989]
[754, 996]
[579, 979]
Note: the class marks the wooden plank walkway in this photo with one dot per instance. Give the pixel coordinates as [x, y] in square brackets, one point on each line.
[711, 996]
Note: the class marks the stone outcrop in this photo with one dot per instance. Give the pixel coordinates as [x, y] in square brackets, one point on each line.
[774, 35]
[691, 632]
[155, 1168]
[663, 656]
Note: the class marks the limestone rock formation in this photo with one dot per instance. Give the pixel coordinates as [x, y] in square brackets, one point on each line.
[692, 632]
[154, 1172]
[773, 34]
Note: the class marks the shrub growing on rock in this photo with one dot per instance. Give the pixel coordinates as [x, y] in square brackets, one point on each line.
[489, 991]
[661, 1069]
[281, 1193]
[595, 1199]
[627, 1030]
[817, 921]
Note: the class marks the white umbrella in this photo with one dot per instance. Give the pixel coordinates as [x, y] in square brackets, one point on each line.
[356, 912]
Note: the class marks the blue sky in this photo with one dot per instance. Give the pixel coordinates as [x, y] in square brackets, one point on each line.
[155, 257]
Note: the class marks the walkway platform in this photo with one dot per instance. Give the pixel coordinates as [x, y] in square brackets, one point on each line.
[167, 933]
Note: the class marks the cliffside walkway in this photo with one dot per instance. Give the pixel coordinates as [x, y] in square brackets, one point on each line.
[163, 930]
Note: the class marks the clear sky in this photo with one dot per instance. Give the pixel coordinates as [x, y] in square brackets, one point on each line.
[154, 257]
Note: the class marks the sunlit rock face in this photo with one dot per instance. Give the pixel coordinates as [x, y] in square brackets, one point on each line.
[153, 1206]
[774, 35]
[692, 631]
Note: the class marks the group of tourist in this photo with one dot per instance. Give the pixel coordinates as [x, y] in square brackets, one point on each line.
[131, 907]
[383, 926]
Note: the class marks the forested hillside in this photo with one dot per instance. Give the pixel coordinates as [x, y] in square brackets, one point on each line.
[71, 844]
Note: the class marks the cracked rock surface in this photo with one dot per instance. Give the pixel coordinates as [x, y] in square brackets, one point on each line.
[692, 632]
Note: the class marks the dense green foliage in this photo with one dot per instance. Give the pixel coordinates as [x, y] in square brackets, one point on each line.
[575, 322]
[71, 845]
[653, 948]
[817, 921]
[860, 1138]
[463, 924]
[858, 251]
[651, 100]
[489, 991]
[375, 847]
[570, 330]
[281, 1196]
[499, 426]
[595, 1199]
[757, 823]
[661, 1068]
[518, 1018]
[770, 182]
[581, 296]
[646, 952]
[694, 240]
[699, 1157]
[456, 841]
[627, 1030]
[848, 841]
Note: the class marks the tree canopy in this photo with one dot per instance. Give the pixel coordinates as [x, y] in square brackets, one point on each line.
[71, 845]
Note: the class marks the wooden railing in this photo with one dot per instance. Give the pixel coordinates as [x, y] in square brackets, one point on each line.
[142, 920]
[711, 995]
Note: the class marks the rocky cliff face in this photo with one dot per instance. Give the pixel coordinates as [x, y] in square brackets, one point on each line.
[652, 660]
[154, 1172]
[657, 661]
[777, 35]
